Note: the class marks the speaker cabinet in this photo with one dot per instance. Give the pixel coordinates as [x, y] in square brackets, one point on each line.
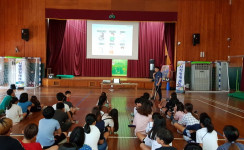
[196, 39]
[151, 67]
[25, 34]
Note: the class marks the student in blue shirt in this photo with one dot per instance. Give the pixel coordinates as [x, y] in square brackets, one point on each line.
[47, 127]
[24, 103]
[231, 134]
[157, 76]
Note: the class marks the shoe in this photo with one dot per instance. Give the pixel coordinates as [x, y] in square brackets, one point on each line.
[187, 138]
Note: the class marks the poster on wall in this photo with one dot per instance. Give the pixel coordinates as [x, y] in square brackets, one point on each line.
[20, 72]
[180, 78]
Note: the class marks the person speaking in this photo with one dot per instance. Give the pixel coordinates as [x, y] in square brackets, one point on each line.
[157, 76]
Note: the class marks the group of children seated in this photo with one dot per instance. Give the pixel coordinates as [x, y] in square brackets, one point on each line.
[18, 109]
[52, 131]
[197, 130]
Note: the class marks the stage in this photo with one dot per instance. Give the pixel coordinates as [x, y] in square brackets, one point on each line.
[95, 82]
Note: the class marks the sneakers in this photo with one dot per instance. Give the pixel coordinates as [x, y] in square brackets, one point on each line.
[187, 138]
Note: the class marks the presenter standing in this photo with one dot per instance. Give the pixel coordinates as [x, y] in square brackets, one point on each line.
[157, 76]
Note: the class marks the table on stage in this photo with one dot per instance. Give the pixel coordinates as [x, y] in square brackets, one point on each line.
[118, 84]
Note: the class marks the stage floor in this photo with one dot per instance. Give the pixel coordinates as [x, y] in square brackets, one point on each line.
[223, 110]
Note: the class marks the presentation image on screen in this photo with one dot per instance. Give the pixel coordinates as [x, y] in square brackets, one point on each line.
[112, 40]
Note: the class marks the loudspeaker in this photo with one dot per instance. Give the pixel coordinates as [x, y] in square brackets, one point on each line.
[25, 34]
[151, 67]
[196, 39]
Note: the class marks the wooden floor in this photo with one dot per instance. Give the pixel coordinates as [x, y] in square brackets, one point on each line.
[222, 109]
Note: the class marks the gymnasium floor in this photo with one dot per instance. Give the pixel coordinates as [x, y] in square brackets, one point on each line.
[220, 107]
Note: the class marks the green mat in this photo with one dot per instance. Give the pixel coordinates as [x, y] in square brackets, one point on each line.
[239, 95]
[65, 76]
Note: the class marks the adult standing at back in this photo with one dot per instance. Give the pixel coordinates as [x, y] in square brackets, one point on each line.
[6, 100]
[157, 76]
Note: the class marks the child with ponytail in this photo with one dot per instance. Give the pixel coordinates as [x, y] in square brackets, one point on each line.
[231, 134]
[92, 133]
[14, 112]
[207, 136]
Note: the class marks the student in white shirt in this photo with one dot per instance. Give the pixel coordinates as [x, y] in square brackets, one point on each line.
[150, 141]
[14, 112]
[155, 116]
[207, 136]
[111, 121]
[189, 123]
[138, 104]
[92, 133]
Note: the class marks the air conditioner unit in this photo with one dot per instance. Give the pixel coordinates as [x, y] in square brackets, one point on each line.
[201, 73]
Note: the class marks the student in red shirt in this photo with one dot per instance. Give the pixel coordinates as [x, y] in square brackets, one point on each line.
[28, 142]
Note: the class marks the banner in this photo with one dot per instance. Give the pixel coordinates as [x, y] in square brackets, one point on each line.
[180, 78]
[20, 72]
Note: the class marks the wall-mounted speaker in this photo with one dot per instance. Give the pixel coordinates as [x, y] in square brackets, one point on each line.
[25, 34]
[196, 39]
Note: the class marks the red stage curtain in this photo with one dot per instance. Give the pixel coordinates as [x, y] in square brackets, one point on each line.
[150, 47]
[242, 79]
[72, 57]
[169, 37]
[55, 38]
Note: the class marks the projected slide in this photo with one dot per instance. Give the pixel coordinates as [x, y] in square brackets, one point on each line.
[112, 40]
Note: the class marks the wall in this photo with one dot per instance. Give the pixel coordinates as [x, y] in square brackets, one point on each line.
[210, 18]
[237, 31]
[18, 14]
[215, 20]
[132, 5]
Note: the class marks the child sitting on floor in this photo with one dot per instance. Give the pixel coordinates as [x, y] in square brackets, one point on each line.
[155, 116]
[142, 118]
[165, 137]
[111, 121]
[137, 105]
[60, 97]
[68, 95]
[14, 112]
[46, 129]
[231, 134]
[149, 142]
[62, 117]
[37, 105]
[178, 113]
[67, 101]
[24, 103]
[6, 100]
[170, 104]
[30, 133]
